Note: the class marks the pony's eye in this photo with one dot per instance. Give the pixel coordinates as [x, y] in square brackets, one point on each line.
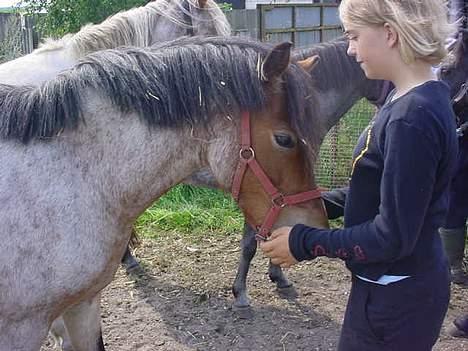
[285, 140]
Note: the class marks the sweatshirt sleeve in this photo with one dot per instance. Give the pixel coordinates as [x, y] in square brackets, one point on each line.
[411, 160]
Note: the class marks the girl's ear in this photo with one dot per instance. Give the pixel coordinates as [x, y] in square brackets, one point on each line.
[391, 35]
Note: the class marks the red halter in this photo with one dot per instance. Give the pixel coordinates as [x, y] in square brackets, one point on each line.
[278, 200]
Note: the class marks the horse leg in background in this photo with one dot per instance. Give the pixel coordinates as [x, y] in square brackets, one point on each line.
[248, 250]
[128, 260]
[26, 334]
[83, 324]
[283, 285]
[285, 288]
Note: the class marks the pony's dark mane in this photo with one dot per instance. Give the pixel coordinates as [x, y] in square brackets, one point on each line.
[336, 65]
[172, 84]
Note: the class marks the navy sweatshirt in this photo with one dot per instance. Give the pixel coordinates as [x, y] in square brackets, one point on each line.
[398, 190]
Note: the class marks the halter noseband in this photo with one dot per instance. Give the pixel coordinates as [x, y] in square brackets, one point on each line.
[278, 200]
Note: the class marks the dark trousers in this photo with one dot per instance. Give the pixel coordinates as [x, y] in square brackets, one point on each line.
[402, 316]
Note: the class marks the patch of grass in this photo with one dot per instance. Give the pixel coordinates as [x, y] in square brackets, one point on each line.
[195, 213]
[337, 223]
[191, 210]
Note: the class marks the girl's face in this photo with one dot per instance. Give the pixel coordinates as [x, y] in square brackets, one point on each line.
[369, 46]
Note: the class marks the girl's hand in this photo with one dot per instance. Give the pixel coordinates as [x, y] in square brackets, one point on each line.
[277, 248]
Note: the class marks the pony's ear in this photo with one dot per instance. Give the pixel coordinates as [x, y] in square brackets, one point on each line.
[202, 3]
[276, 61]
[309, 63]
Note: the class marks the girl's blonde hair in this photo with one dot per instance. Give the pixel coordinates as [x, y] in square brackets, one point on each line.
[422, 25]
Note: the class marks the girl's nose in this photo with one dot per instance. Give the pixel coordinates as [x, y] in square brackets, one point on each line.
[351, 51]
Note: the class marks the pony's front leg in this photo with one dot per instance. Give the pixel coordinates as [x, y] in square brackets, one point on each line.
[83, 324]
[283, 285]
[28, 334]
[248, 250]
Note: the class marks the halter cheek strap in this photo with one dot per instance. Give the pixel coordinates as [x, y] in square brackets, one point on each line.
[278, 200]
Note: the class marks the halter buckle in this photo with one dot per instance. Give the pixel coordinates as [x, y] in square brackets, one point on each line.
[278, 200]
[247, 154]
[261, 234]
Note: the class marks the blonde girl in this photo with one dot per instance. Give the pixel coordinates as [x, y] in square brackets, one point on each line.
[398, 191]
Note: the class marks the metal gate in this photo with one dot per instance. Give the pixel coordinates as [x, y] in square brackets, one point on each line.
[301, 24]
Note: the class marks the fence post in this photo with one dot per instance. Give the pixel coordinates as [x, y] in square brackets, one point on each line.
[27, 34]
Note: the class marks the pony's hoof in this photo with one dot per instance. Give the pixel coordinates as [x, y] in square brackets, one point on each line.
[288, 292]
[460, 278]
[132, 268]
[243, 312]
[459, 327]
[457, 333]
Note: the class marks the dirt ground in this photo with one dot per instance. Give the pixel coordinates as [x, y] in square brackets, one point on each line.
[182, 301]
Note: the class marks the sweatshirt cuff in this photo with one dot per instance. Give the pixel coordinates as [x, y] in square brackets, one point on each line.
[297, 242]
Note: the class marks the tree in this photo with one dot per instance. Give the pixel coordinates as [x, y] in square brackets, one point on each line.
[58, 17]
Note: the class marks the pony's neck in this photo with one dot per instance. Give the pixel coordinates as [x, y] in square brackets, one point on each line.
[130, 28]
[162, 156]
[336, 102]
[134, 27]
[340, 80]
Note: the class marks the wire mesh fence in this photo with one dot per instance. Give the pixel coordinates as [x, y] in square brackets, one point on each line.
[335, 158]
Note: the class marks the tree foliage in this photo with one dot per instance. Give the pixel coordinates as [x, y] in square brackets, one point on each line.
[58, 17]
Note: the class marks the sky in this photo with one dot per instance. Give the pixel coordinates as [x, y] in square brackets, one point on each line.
[8, 3]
